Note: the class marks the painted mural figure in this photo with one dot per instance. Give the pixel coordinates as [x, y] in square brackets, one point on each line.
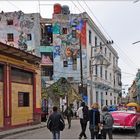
[22, 41]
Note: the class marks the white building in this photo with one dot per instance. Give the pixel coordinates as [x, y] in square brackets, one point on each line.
[99, 59]
[102, 61]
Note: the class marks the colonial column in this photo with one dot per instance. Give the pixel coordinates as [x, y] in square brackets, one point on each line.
[7, 96]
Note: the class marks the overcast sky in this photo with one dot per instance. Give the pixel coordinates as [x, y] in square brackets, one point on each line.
[119, 21]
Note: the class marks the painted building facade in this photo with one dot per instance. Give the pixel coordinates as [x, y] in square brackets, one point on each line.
[134, 90]
[104, 82]
[21, 30]
[60, 41]
[20, 88]
[100, 71]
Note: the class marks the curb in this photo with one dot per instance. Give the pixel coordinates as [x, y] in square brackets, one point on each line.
[19, 131]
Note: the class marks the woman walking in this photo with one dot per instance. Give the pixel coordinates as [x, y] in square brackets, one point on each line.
[94, 120]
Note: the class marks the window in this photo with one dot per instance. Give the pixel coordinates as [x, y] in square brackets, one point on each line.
[97, 97]
[114, 80]
[114, 100]
[1, 73]
[74, 63]
[114, 61]
[96, 70]
[105, 51]
[106, 93]
[90, 41]
[110, 77]
[105, 74]
[110, 94]
[65, 63]
[106, 102]
[21, 76]
[95, 41]
[47, 71]
[101, 46]
[23, 99]
[73, 33]
[110, 102]
[102, 100]
[10, 37]
[29, 37]
[9, 22]
[101, 71]
[64, 30]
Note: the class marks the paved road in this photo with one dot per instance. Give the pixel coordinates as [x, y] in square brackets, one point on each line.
[73, 133]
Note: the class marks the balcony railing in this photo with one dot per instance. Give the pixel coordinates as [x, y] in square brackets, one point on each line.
[102, 83]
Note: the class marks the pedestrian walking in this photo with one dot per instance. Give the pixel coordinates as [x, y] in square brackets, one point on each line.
[82, 112]
[94, 120]
[107, 123]
[55, 123]
[69, 114]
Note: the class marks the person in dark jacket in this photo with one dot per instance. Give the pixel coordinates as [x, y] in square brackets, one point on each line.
[82, 112]
[69, 114]
[94, 120]
[107, 123]
[53, 123]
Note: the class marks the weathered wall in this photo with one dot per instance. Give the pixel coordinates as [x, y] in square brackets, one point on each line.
[21, 114]
[38, 89]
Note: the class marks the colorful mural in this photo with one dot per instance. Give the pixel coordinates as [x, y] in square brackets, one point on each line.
[68, 41]
[22, 26]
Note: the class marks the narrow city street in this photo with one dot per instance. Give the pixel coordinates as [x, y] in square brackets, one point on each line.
[72, 133]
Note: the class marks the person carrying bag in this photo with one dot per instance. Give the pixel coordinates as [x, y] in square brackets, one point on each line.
[94, 120]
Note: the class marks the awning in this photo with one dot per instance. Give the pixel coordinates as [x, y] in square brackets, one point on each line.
[18, 54]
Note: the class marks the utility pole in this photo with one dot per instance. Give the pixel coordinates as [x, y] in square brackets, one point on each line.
[81, 68]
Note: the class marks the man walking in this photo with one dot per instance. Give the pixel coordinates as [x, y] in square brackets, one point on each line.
[55, 123]
[82, 112]
[107, 123]
[69, 114]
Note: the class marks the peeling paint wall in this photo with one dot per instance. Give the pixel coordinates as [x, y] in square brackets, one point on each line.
[25, 28]
[67, 45]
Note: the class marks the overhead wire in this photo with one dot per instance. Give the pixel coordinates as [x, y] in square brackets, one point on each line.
[76, 6]
[121, 51]
[13, 4]
[98, 22]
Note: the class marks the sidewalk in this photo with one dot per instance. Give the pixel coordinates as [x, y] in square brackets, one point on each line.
[22, 129]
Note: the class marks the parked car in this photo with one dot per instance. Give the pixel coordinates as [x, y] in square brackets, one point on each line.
[126, 119]
[112, 108]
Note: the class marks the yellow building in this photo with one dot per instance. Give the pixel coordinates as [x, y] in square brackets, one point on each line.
[20, 88]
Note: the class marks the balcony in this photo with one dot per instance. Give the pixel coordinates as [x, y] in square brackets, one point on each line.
[101, 83]
[101, 58]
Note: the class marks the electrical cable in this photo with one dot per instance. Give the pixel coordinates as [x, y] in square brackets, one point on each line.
[107, 33]
[13, 4]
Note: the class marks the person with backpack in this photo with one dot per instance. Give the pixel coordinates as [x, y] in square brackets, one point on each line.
[94, 120]
[69, 114]
[107, 123]
[55, 123]
[83, 112]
